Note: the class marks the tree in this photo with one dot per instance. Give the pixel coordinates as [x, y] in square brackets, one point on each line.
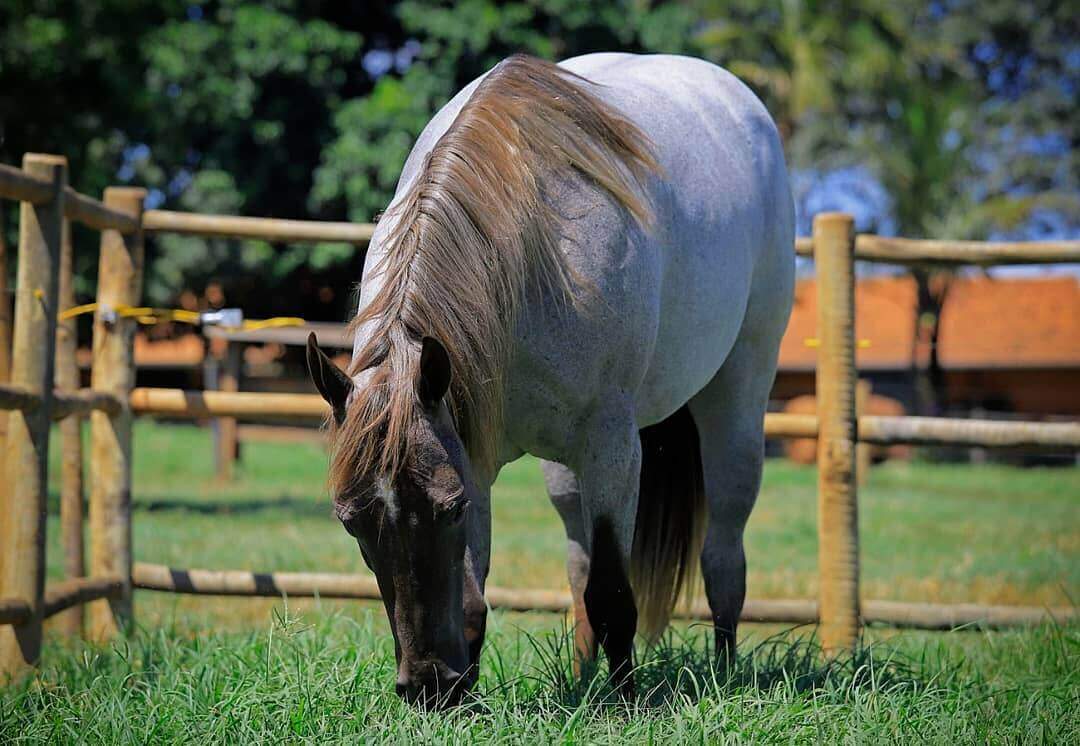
[959, 134]
[449, 45]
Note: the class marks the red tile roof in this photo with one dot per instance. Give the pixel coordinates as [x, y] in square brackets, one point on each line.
[986, 323]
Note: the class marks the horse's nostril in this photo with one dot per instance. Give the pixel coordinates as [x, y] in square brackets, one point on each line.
[432, 691]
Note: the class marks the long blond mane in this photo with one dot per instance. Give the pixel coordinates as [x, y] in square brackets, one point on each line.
[470, 239]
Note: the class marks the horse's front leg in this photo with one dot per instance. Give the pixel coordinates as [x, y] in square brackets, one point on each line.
[477, 565]
[565, 494]
[609, 471]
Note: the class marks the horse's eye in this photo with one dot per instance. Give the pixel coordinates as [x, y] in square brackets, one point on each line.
[456, 511]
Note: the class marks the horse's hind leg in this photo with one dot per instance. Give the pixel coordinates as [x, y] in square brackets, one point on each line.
[565, 494]
[729, 414]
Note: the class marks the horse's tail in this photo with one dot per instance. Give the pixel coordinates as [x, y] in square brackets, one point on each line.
[671, 519]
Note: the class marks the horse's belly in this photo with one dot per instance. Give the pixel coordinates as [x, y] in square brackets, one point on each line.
[701, 311]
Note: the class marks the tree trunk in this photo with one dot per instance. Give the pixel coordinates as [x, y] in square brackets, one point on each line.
[928, 378]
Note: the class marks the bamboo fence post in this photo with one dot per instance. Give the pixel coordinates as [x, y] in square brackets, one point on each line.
[838, 540]
[23, 508]
[71, 475]
[864, 452]
[119, 283]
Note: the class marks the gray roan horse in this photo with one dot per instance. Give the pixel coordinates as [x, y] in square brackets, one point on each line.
[592, 263]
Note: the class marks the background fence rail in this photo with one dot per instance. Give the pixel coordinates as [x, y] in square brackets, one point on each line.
[914, 251]
[157, 577]
[231, 226]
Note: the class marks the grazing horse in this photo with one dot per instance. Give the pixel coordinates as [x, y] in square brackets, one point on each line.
[591, 262]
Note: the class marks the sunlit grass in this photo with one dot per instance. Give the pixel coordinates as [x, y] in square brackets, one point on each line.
[326, 678]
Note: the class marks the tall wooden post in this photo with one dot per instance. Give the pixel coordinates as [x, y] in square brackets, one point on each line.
[838, 525]
[119, 283]
[27, 452]
[71, 475]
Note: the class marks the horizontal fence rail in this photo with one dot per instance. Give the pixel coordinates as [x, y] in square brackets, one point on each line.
[887, 250]
[18, 185]
[14, 611]
[64, 403]
[251, 405]
[82, 402]
[96, 215]
[18, 398]
[156, 577]
[784, 425]
[872, 429]
[952, 616]
[268, 229]
[245, 583]
[973, 433]
[68, 593]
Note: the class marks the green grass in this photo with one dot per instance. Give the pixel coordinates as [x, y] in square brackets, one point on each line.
[327, 681]
[240, 670]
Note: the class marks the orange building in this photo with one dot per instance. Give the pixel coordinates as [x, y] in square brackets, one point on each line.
[1009, 345]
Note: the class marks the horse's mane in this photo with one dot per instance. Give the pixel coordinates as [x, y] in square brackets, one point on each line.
[471, 236]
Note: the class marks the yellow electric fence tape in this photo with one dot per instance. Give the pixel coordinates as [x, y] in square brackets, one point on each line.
[148, 315]
[815, 342]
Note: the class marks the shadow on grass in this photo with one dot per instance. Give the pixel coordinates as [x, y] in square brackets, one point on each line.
[681, 668]
[234, 506]
[225, 506]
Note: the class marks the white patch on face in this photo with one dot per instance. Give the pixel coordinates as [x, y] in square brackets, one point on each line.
[386, 493]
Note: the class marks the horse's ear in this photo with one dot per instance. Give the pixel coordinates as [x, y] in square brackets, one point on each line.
[329, 379]
[434, 372]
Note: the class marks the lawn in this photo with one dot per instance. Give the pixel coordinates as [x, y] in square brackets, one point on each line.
[236, 669]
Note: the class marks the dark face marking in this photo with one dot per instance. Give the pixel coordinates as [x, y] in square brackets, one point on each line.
[412, 533]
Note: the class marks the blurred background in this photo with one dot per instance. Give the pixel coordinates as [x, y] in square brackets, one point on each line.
[952, 119]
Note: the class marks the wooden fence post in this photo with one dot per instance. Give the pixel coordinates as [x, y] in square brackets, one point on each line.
[27, 451]
[838, 525]
[71, 475]
[119, 283]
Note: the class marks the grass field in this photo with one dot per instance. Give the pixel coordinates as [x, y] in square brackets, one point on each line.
[231, 669]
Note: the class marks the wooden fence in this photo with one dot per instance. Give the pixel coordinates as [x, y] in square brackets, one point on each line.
[40, 388]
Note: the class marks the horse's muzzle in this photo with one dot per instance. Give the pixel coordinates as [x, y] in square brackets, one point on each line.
[443, 687]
